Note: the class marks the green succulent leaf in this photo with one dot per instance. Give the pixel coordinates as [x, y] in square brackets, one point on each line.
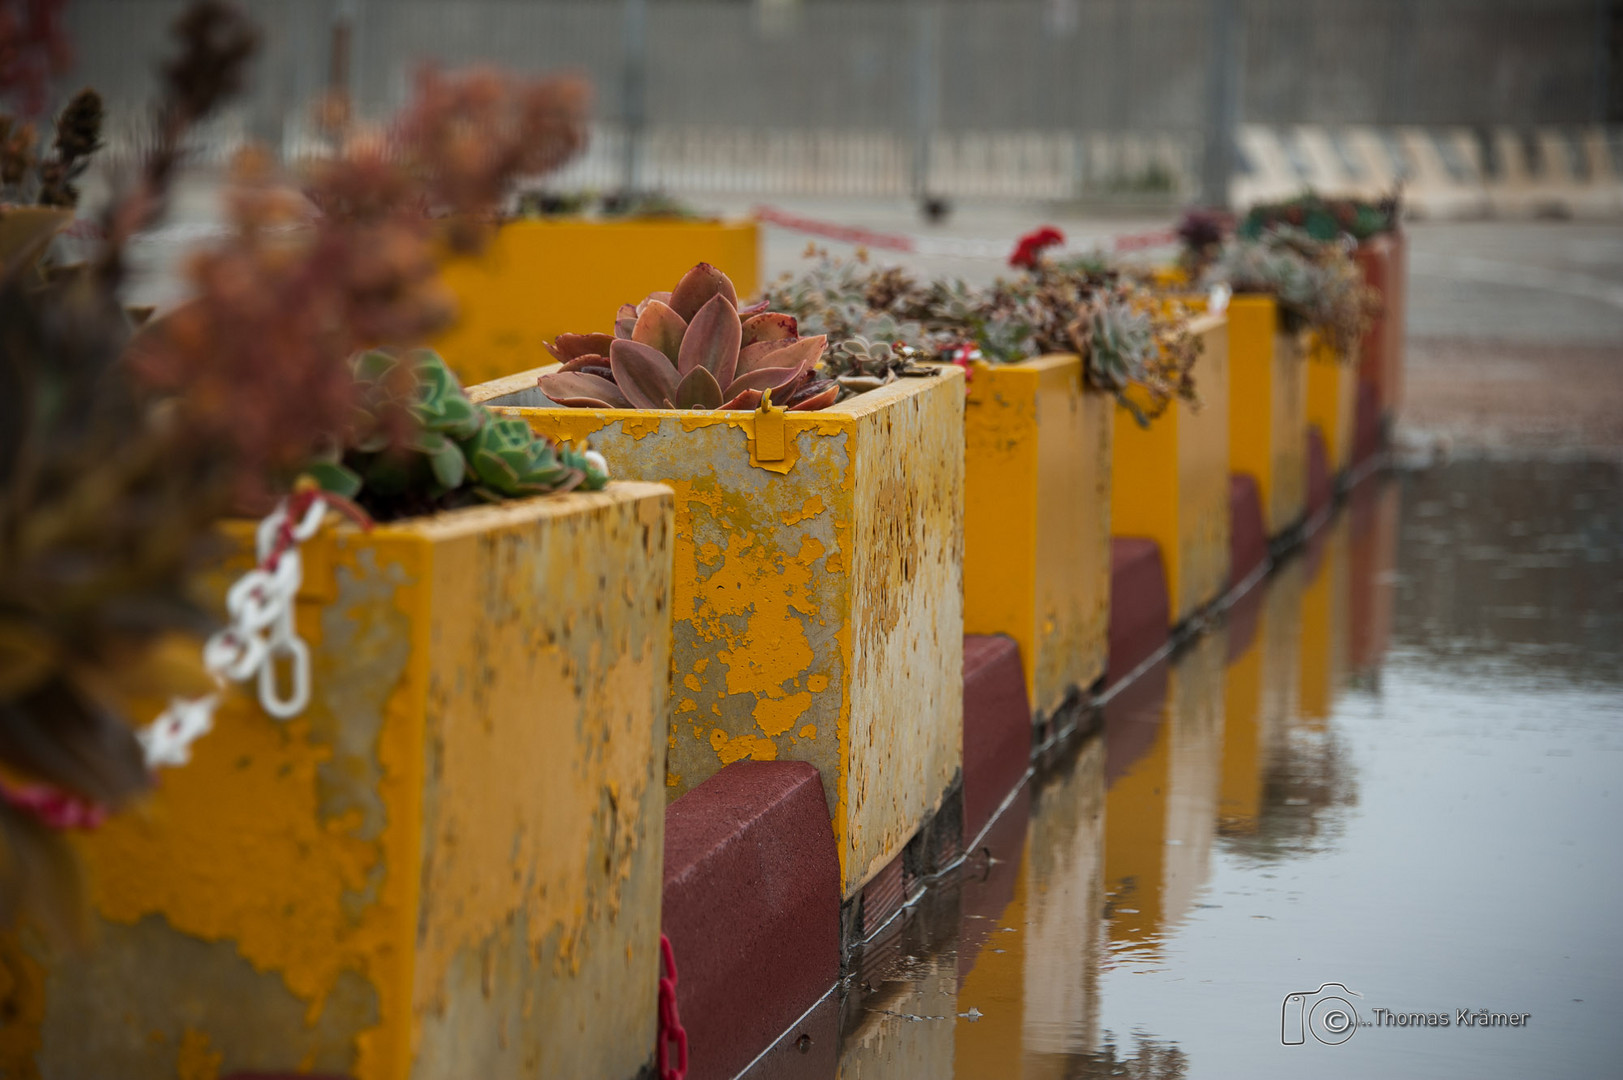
[334, 477]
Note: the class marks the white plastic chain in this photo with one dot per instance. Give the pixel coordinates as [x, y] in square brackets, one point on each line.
[260, 636]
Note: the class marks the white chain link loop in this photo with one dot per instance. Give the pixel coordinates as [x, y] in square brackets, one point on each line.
[259, 640]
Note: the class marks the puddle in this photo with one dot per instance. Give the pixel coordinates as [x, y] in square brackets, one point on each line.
[1396, 769]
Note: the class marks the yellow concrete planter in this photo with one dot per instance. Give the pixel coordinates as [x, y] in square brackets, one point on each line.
[1037, 521]
[1268, 408]
[538, 279]
[1332, 395]
[1170, 481]
[448, 866]
[818, 602]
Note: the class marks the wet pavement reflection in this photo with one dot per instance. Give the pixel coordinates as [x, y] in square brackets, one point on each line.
[1393, 766]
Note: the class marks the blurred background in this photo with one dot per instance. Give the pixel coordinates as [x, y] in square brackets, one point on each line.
[942, 130]
[1142, 104]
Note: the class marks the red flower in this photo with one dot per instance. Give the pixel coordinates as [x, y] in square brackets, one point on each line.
[964, 356]
[1033, 244]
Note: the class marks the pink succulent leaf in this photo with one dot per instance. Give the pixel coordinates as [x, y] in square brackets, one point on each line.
[625, 322]
[698, 390]
[567, 347]
[660, 327]
[770, 326]
[801, 355]
[759, 355]
[822, 399]
[772, 378]
[582, 403]
[589, 360]
[643, 374]
[749, 399]
[662, 297]
[753, 309]
[698, 286]
[712, 341]
[568, 387]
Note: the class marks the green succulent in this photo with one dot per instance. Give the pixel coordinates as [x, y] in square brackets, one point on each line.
[420, 445]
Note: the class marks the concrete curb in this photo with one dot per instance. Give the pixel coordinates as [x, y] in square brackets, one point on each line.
[752, 908]
[1140, 609]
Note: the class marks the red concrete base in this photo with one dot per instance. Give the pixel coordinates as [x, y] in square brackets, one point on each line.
[997, 727]
[986, 885]
[1320, 483]
[752, 908]
[1133, 721]
[1248, 529]
[1140, 611]
[1366, 423]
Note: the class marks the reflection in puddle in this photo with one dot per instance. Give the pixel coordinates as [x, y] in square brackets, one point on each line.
[1394, 764]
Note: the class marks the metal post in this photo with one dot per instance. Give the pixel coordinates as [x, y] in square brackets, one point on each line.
[926, 92]
[1603, 56]
[634, 88]
[1222, 102]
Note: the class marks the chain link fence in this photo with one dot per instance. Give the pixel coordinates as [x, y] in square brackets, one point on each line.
[1040, 98]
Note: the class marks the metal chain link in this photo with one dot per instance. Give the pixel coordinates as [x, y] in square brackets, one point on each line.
[259, 639]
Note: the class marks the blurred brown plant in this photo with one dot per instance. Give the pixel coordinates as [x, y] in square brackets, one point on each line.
[33, 47]
[260, 352]
[106, 505]
[78, 135]
[119, 454]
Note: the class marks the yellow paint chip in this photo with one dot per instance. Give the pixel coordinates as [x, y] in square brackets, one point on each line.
[777, 716]
[744, 746]
[809, 509]
[196, 1061]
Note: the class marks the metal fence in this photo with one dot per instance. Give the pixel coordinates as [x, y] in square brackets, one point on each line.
[1036, 97]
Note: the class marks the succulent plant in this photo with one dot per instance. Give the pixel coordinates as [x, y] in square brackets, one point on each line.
[691, 348]
[419, 444]
[1078, 306]
[1317, 283]
[1325, 218]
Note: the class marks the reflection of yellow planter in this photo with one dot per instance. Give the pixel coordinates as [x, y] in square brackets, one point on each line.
[1161, 816]
[1267, 409]
[1036, 521]
[1170, 481]
[538, 279]
[1332, 392]
[1324, 625]
[448, 866]
[818, 591]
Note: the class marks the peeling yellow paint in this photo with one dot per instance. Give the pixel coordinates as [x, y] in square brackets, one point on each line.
[196, 1061]
[825, 587]
[809, 509]
[386, 858]
[1037, 521]
[740, 747]
[775, 716]
[1171, 479]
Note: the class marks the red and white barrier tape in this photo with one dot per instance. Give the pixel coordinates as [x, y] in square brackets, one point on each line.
[956, 247]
